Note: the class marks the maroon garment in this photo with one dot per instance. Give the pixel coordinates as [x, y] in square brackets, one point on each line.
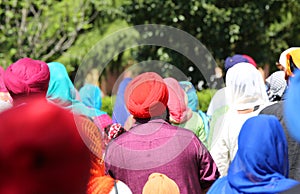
[157, 146]
[41, 151]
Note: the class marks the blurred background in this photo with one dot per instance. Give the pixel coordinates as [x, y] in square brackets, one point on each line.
[66, 30]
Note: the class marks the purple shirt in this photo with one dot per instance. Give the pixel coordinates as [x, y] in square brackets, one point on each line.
[157, 146]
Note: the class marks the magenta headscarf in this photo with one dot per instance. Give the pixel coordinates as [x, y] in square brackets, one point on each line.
[2, 84]
[27, 76]
[178, 102]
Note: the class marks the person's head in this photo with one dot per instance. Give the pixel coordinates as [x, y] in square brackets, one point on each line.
[261, 158]
[2, 84]
[292, 61]
[238, 58]
[41, 150]
[276, 85]
[61, 87]
[146, 96]
[189, 89]
[91, 96]
[5, 98]
[177, 103]
[27, 77]
[281, 64]
[159, 183]
[246, 87]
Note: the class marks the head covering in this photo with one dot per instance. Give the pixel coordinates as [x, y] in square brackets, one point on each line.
[292, 106]
[256, 169]
[246, 87]
[2, 84]
[160, 184]
[5, 98]
[41, 151]
[91, 96]
[238, 58]
[120, 112]
[100, 183]
[146, 96]
[62, 91]
[177, 103]
[283, 59]
[27, 76]
[292, 61]
[276, 85]
[103, 121]
[250, 60]
[189, 89]
[235, 59]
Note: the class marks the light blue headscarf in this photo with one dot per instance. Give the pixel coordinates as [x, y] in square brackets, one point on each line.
[62, 91]
[261, 163]
[90, 95]
[189, 89]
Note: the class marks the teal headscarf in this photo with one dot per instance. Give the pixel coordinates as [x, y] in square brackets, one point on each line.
[62, 91]
[189, 89]
[90, 95]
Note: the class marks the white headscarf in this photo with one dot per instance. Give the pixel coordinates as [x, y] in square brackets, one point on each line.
[246, 87]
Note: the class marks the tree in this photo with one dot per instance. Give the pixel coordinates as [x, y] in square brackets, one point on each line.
[42, 29]
[261, 29]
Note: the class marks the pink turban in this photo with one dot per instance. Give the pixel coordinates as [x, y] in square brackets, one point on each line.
[2, 84]
[146, 96]
[177, 104]
[41, 150]
[27, 76]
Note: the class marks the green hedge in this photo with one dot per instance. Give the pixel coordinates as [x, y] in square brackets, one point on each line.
[108, 104]
[204, 97]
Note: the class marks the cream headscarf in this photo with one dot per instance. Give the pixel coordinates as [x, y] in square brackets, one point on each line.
[246, 86]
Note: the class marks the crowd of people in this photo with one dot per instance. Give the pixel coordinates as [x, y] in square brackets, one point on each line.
[56, 139]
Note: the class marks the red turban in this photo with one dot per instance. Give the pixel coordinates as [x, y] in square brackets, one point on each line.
[41, 151]
[146, 96]
[27, 76]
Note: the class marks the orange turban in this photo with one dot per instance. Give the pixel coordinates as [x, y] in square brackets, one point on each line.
[160, 184]
[146, 96]
[293, 61]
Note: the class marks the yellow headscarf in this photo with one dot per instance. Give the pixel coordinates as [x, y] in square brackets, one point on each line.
[293, 61]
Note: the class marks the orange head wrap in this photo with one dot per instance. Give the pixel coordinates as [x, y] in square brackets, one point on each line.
[146, 96]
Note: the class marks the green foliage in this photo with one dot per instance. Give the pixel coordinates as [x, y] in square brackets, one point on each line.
[108, 104]
[44, 29]
[204, 97]
[261, 29]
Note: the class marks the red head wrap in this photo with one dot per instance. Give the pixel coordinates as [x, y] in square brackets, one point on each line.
[146, 96]
[41, 151]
